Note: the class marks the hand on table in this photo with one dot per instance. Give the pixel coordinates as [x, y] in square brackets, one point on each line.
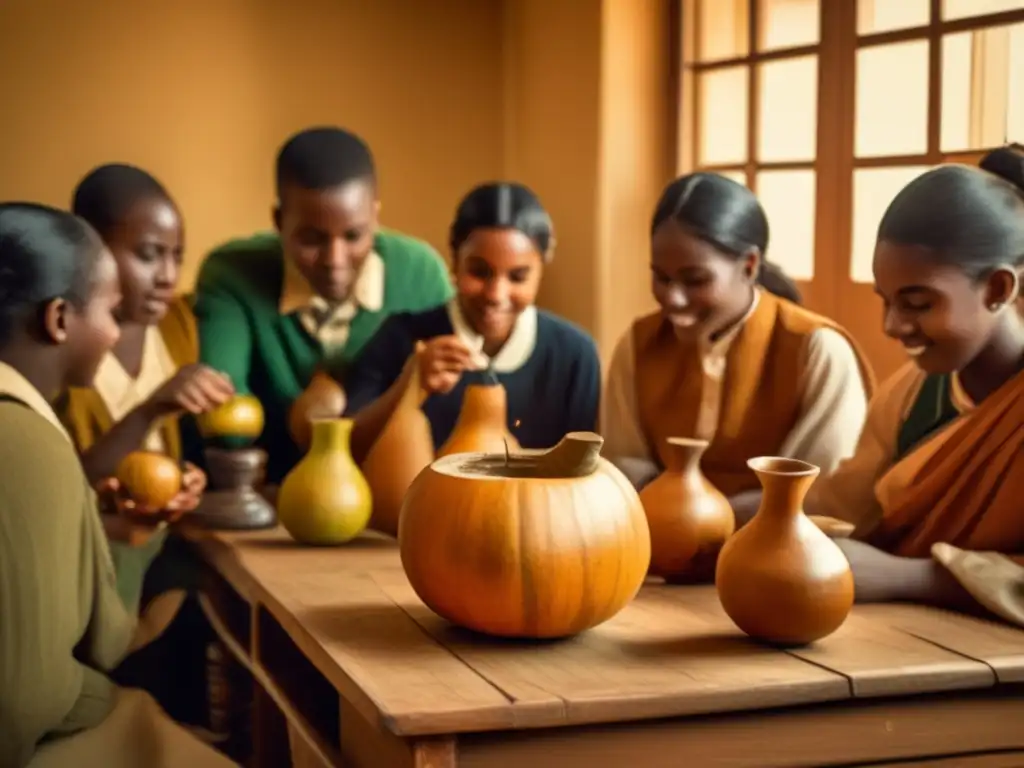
[879, 577]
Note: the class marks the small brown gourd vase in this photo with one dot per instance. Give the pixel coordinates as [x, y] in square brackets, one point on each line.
[780, 578]
[689, 518]
[323, 398]
[402, 450]
[482, 424]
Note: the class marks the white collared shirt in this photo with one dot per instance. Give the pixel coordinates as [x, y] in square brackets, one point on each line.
[513, 354]
[327, 322]
[121, 393]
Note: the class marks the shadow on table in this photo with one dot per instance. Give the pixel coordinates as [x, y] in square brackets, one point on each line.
[391, 628]
[284, 542]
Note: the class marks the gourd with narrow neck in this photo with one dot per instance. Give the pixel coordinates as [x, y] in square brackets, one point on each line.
[330, 435]
[325, 499]
[482, 423]
[401, 451]
[780, 578]
[690, 519]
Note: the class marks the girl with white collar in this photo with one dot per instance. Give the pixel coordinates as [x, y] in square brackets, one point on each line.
[501, 240]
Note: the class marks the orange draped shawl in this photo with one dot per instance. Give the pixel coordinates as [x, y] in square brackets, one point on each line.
[963, 486]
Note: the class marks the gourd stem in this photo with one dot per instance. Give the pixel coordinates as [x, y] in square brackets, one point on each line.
[576, 455]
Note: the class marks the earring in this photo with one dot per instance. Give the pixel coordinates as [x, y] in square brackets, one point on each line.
[995, 306]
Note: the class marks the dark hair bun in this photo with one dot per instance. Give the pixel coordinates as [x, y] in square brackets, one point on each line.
[1007, 163]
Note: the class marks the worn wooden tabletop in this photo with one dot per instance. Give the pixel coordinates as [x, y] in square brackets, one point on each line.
[672, 652]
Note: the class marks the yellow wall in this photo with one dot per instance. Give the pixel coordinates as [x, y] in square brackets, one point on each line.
[202, 93]
[570, 97]
[588, 125]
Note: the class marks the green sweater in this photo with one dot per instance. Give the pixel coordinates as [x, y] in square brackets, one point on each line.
[243, 334]
[62, 622]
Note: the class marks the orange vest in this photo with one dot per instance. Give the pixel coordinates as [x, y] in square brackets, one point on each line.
[760, 393]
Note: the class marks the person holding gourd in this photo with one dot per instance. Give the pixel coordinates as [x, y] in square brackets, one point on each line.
[64, 624]
[935, 484]
[501, 241]
[276, 309]
[723, 359]
[143, 385]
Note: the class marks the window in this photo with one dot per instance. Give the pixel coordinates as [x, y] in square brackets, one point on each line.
[910, 91]
[827, 109]
[756, 110]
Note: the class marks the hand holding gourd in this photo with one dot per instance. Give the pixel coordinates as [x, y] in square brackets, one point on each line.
[442, 361]
[194, 388]
[115, 498]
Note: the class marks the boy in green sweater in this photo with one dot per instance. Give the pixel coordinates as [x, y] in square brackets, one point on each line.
[275, 307]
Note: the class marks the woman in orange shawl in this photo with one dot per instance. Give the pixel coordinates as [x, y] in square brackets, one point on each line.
[936, 484]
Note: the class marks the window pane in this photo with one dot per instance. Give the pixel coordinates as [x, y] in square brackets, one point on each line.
[873, 190]
[980, 70]
[961, 9]
[788, 110]
[788, 23]
[788, 200]
[723, 116]
[892, 99]
[886, 15]
[724, 29]
[740, 177]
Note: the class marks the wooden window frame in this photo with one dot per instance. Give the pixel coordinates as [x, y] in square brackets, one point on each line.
[835, 160]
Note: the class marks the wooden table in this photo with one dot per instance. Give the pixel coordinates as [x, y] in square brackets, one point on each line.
[366, 675]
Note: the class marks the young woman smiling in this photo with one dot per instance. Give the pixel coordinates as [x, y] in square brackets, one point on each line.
[501, 240]
[935, 485]
[724, 360]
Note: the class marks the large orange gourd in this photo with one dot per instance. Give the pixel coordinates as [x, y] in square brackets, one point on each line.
[689, 518]
[482, 426]
[780, 578]
[538, 545]
[401, 451]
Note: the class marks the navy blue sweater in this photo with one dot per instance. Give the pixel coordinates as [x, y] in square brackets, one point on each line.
[555, 391]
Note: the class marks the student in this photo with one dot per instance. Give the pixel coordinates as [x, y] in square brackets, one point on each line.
[723, 359]
[936, 481]
[149, 378]
[275, 307]
[500, 242]
[64, 624]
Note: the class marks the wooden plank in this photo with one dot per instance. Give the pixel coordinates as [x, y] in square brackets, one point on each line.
[999, 646]
[854, 732]
[1014, 759]
[878, 659]
[274, 549]
[654, 659]
[378, 659]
